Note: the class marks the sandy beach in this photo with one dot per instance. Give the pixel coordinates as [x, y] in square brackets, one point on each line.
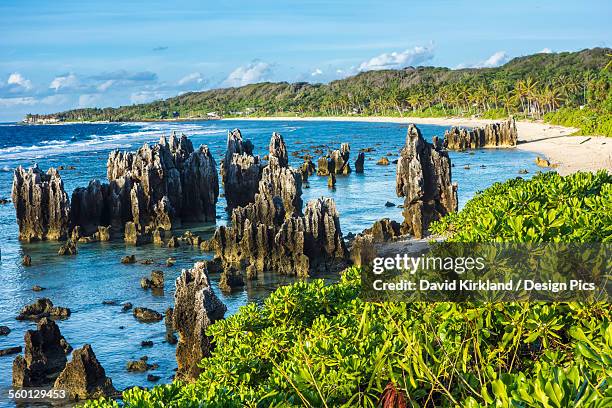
[566, 153]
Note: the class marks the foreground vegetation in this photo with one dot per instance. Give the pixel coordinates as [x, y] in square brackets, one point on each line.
[529, 87]
[322, 346]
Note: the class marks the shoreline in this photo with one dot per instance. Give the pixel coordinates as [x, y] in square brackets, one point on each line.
[566, 153]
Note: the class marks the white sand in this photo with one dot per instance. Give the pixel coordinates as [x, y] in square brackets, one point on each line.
[567, 153]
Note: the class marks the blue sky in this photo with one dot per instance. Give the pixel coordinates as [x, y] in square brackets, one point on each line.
[56, 55]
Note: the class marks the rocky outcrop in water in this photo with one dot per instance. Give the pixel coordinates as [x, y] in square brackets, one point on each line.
[359, 162]
[278, 149]
[336, 162]
[195, 308]
[43, 307]
[240, 171]
[44, 357]
[424, 179]
[146, 315]
[156, 187]
[491, 135]
[84, 377]
[41, 204]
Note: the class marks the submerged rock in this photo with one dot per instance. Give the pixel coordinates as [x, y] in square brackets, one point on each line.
[146, 315]
[10, 350]
[44, 357]
[41, 204]
[69, 248]
[491, 135]
[128, 259]
[84, 377]
[4, 330]
[196, 307]
[43, 307]
[27, 260]
[424, 179]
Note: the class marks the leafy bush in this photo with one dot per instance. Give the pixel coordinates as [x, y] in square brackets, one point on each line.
[589, 121]
[548, 208]
[322, 346]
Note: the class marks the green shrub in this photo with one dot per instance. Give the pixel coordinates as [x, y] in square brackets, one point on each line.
[315, 345]
[588, 121]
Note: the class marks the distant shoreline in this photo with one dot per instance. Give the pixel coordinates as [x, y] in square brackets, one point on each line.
[566, 153]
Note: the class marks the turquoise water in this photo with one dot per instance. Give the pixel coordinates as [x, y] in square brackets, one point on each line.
[95, 275]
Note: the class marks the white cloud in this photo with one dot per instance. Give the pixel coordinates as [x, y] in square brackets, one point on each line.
[499, 58]
[17, 79]
[256, 71]
[317, 72]
[64, 81]
[103, 87]
[88, 100]
[30, 101]
[145, 96]
[392, 60]
[495, 60]
[545, 51]
[9, 102]
[193, 78]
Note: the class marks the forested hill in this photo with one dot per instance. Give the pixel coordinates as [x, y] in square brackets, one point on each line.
[532, 86]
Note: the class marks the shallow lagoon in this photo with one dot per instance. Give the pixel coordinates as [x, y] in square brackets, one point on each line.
[95, 275]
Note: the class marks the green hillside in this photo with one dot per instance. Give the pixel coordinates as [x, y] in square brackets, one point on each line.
[531, 86]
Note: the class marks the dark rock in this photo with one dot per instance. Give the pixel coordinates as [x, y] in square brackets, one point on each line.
[128, 259]
[523, 171]
[138, 366]
[126, 306]
[147, 262]
[359, 162]
[389, 204]
[196, 308]
[146, 315]
[240, 171]
[69, 248]
[230, 279]
[43, 307]
[4, 330]
[156, 280]
[10, 350]
[173, 243]
[363, 251]
[170, 337]
[37, 288]
[494, 134]
[153, 378]
[44, 357]
[146, 343]
[109, 302]
[27, 260]
[84, 377]
[424, 179]
[383, 230]
[331, 180]
[41, 204]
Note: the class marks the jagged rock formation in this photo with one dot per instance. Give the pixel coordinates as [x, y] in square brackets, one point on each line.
[384, 230]
[359, 162]
[424, 179]
[157, 187]
[155, 282]
[43, 307]
[492, 135]
[195, 308]
[84, 377]
[41, 204]
[336, 162]
[278, 149]
[307, 169]
[44, 357]
[240, 171]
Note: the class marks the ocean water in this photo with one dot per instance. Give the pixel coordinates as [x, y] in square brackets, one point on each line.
[95, 275]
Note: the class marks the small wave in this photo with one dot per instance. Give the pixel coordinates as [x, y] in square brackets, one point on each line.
[5, 169]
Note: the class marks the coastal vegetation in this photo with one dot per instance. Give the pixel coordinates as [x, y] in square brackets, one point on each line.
[567, 88]
[318, 345]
